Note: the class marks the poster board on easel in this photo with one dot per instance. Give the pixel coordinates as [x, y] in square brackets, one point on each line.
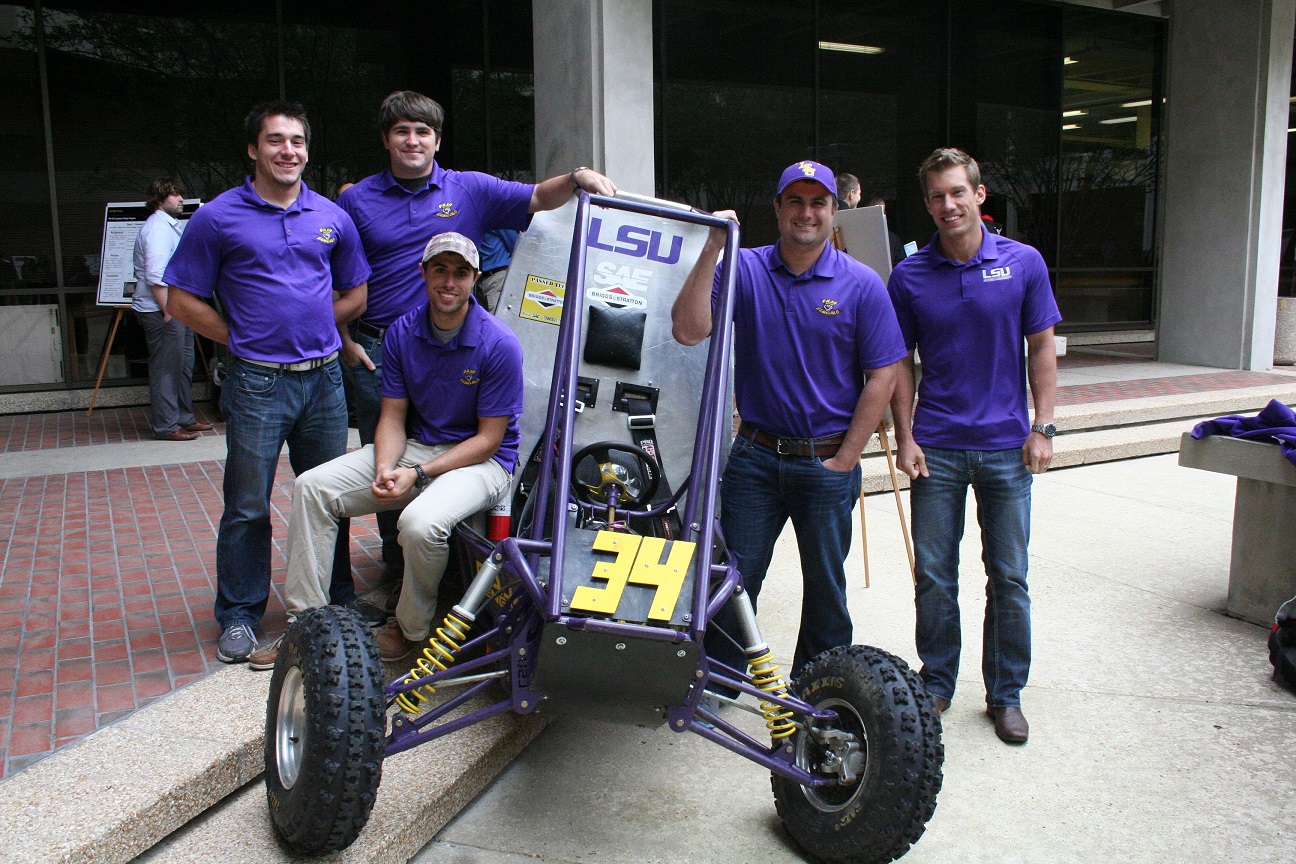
[122, 223]
[862, 234]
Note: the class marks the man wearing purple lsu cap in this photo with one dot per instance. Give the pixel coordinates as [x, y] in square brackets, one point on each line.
[966, 300]
[815, 352]
[396, 211]
[274, 253]
[455, 372]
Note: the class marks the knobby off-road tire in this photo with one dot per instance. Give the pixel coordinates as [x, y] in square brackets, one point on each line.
[325, 731]
[880, 700]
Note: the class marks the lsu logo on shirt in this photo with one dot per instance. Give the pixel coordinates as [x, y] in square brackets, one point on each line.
[996, 274]
[327, 235]
[470, 377]
[445, 210]
[827, 307]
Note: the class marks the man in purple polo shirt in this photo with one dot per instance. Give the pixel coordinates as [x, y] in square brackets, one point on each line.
[966, 300]
[815, 349]
[275, 254]
[455, 371]
[396, 211]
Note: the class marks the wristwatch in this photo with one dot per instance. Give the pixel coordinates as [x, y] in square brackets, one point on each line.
[421, 479]
[572, 176]
[1048, 430]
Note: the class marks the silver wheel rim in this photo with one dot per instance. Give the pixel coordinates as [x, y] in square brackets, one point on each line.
[832, 799]
[290, 728]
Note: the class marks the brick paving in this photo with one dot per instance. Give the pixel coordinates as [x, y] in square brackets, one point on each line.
[1109, 391]
[74, 429]
[106, 592]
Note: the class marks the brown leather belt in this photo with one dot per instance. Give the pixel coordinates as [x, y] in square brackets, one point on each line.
[824, 448]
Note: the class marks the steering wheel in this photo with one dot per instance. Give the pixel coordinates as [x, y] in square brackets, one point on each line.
[595, 475]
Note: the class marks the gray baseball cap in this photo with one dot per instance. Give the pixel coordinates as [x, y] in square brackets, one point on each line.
[452, 242]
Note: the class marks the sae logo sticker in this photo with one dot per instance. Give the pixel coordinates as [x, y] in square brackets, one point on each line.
[542, 300]
[996, 274]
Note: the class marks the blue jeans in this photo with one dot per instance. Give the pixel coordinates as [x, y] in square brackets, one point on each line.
[760, 492]
[1002, 486]
[365, 389]
[263, 409]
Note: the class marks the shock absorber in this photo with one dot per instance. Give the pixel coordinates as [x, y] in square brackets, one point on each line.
[762, 668]
[450, 636]
[765, 676]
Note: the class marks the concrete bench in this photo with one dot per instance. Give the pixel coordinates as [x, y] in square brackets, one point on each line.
[1262, 572]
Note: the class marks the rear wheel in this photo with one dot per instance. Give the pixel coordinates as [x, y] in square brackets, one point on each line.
[325, 731]
[883, 754]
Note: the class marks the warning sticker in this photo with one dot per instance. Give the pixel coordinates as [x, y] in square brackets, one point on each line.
[617, 297]
[542, 300]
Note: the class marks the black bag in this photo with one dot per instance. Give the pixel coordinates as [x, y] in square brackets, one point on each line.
[1282, 645]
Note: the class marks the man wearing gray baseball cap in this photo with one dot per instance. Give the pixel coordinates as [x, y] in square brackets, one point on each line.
[455, 372]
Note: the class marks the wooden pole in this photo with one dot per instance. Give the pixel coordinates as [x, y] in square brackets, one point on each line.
[895, 487]
[103, 364]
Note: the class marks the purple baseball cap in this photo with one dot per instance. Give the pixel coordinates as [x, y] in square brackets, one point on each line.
[808, 171]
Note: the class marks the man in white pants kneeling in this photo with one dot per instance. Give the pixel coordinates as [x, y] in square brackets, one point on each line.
[455, 371]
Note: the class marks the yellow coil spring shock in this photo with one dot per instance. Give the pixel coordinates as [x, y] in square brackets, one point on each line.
[437, 657]
[765, 676]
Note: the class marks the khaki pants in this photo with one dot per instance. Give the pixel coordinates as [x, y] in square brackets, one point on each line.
[342, 489]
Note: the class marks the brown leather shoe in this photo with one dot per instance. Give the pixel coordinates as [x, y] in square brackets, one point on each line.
[263, 658]
[1010, 724]
[392, 644]
[198, 426]
[942, 704]
[178, 435]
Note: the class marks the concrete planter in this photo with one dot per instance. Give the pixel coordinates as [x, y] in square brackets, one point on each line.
[1285, 333]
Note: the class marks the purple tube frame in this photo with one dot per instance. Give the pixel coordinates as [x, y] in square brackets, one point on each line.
[521, 556]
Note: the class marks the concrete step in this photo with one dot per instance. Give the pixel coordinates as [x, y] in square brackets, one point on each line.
[180, 780]
[1109, 431]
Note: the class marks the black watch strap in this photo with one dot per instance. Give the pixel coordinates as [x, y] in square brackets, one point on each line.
[420, 477]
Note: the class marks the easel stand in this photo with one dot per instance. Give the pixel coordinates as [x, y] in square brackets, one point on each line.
[885, 441]
[103, 361]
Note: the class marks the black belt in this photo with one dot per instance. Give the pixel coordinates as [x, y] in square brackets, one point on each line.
[824, 448]
[493, 271]
[371, 330]
[304, 366]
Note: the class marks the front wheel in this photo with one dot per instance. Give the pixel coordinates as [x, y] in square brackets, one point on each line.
[883, 754]
[325, 731]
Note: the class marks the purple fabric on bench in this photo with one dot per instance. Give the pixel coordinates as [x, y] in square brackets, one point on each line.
[1276, 422]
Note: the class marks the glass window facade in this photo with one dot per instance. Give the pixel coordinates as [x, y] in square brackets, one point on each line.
[1059, 103]
[140, 90]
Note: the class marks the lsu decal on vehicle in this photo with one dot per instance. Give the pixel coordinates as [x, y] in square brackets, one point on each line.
[542, 300]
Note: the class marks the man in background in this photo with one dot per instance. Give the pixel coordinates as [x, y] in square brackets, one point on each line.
[170, 342]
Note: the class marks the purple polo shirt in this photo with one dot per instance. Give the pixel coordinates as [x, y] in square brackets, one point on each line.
[968, 322]
[802, 343]
[274, 270]
[478, 373]
[395, 224]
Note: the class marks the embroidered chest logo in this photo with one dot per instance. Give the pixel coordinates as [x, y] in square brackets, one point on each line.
[996, 274]
[445, 210]
[827, 307]
[327, 235]
[470, 377]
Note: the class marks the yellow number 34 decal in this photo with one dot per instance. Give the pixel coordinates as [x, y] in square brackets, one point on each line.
[638, 562]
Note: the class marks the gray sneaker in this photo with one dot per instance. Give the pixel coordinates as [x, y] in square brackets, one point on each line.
[236, 643]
